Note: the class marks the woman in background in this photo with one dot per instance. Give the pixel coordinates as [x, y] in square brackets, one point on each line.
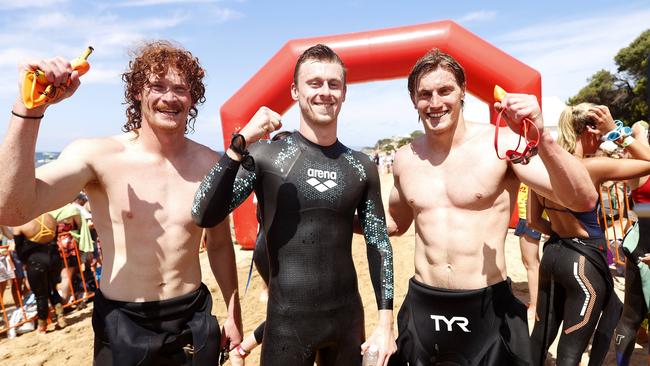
[575, 285]
[36, 247]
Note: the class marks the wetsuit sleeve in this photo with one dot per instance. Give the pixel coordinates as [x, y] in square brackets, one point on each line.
[379, 249]
[224, 188]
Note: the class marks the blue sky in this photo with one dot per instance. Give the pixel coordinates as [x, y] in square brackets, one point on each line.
[566, 41]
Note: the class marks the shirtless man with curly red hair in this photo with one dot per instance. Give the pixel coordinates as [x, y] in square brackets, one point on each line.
[141, 184]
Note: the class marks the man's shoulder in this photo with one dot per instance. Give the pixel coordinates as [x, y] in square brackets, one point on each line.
[93, 146]
[202, 153]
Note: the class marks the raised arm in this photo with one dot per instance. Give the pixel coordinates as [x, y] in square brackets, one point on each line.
[224, 188]
[568, 181]
[636, 144]
[25, 192]
[380, 263]
[222, 262]
[227, 184]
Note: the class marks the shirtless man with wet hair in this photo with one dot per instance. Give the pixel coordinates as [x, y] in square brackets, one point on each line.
[460, 307]
[141, 184]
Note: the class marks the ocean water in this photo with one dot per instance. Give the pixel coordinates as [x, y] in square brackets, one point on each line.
[44, 157]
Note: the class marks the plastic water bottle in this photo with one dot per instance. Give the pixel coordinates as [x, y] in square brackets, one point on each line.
[371, 356]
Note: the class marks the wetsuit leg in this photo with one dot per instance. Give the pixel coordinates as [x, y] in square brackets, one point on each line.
[634, 311]
[54, 271]
[259, 333]
[283, 343]
[346, 348]
[37, 274]
[550, 309]
[575, 295]
[333, 337]
[585, 299]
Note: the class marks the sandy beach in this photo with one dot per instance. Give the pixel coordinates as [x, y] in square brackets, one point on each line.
[73, 345]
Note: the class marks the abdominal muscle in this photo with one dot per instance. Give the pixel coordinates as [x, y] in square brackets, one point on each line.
[151, 269]
[460, 249]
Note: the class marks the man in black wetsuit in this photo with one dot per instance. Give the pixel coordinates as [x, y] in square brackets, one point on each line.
[309, 187]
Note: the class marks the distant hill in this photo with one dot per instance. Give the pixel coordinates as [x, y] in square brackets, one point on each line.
[44, 157]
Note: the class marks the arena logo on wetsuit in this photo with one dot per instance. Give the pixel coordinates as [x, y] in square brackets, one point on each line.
[461, 321]
[316, 174]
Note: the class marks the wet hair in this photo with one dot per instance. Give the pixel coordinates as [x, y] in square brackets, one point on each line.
[156, 58]
[573, 122]
[432, 61]
[319, 52]
[280, 135]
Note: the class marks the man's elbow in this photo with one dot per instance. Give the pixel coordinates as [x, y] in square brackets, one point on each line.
[13, 216]
[583, 201]
[202, 220]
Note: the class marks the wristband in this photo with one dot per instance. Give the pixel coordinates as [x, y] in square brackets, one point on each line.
[627, 142]
[242, 352]
[238, 145]
[27, 117]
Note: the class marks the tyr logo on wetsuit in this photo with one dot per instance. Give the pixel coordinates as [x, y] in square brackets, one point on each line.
[460, 321]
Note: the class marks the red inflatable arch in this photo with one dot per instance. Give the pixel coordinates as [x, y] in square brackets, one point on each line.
[374, 55]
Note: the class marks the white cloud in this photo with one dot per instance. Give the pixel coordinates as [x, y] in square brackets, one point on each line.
[222, 15]
[477, 16]
[106, 32]
[140, 3]
[14, 5]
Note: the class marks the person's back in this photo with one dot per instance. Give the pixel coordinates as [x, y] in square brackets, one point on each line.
[36, 246]
[41, 230]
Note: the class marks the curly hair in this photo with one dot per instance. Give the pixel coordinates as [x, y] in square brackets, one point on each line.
[155, 58]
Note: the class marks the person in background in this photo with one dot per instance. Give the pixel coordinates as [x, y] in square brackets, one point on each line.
[37, 248]
[529, 246]
[575, 284]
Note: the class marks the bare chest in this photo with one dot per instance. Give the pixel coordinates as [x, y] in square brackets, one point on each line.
[464, 181]
[143, 193]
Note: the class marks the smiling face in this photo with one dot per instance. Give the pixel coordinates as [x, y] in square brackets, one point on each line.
[166, 101]
[319, 91]
[438, 100]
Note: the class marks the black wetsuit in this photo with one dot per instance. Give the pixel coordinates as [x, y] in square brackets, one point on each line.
[575, 289]
[635, 309]
[308, 195]
[43, 271]
[438, 326]
[177, 331]
[261, 260]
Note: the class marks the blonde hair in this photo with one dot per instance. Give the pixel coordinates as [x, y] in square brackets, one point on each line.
[573, 122]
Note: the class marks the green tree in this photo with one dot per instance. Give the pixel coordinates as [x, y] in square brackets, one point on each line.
[415, 134]
[624, 92]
